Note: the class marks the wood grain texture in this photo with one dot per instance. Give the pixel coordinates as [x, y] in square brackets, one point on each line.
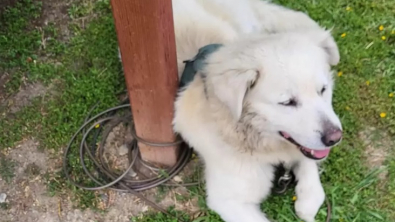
[146, 39]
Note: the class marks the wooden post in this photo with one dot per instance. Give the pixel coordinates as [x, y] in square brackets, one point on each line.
[146, 39]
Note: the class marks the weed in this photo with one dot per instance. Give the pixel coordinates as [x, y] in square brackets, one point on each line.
[4, 206]
[6, 169]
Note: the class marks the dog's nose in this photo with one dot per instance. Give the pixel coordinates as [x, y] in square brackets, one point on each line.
[332, 137]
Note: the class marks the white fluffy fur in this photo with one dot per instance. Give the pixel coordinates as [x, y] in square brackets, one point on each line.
[232, 116]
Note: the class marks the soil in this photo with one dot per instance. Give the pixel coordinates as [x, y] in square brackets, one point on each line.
[28, 198]
[377, 144]
[24, 97]
[6, 3]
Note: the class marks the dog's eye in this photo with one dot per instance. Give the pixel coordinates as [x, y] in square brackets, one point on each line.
[291, 102]
[323, 90]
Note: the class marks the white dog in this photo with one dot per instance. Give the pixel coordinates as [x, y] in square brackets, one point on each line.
[262, 98]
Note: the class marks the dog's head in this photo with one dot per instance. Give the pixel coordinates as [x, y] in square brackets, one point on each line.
[285, 82]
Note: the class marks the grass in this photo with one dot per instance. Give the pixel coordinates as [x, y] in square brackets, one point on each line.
[7, 167]
[86, 69]
[83, 71]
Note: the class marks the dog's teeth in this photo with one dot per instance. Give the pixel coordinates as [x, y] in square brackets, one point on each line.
[312, 152]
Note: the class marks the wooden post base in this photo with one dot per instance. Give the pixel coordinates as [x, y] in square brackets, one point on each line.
[146, 39]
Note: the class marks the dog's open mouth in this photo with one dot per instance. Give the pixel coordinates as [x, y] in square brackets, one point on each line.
[309, 153]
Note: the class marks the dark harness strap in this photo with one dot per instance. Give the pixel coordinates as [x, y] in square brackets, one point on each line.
[196, 64]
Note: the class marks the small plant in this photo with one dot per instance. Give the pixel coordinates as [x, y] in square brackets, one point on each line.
[7, 168]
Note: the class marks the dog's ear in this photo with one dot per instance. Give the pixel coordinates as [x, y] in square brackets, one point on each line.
[231, 87]
[326, 41]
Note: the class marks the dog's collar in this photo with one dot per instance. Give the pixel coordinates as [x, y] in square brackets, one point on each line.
[197, 63]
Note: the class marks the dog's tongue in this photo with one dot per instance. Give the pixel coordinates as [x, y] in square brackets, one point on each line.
[319, 153]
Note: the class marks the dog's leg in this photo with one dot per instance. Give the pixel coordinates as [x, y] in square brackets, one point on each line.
[231, 211]
[309, 191]
[236, 189]
[276, 18]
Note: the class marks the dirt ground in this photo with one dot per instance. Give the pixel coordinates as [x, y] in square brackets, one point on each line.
[28, 198]
[5, 3]
[377, 147]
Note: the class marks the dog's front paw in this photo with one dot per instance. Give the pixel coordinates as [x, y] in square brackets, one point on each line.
[309, 202]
